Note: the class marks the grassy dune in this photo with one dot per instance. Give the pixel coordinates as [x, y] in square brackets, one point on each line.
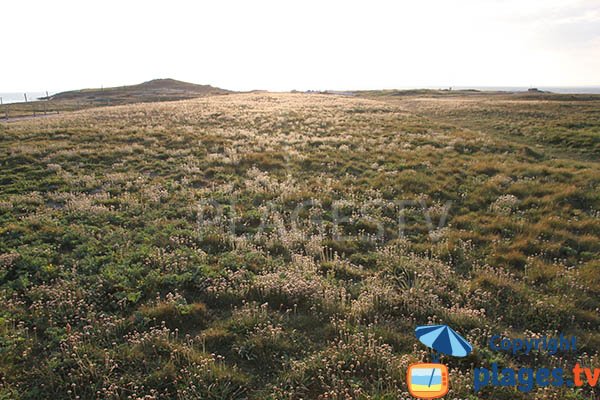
[146, 92]
[284, 246]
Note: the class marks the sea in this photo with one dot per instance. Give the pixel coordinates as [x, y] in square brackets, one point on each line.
[13, 97]
[19, 97]
[553, 89]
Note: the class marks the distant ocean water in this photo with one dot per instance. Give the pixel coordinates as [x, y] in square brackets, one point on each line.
[20, 98]
[553, 89]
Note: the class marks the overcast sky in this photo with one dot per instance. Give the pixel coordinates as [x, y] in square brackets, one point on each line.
[283, 45]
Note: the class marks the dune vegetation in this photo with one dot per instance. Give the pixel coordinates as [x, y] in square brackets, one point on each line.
[285, 246]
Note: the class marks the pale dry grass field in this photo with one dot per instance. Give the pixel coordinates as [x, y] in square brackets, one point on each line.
[285, 246]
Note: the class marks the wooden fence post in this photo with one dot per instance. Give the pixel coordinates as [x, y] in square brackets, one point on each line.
[5, 108]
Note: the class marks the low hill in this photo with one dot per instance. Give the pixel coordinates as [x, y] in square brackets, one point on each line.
[154, 90]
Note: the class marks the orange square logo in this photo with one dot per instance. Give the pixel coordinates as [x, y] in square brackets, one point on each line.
[427, 381]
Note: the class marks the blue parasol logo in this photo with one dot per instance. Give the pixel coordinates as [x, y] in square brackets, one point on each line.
[430, 380]
[443, 339]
